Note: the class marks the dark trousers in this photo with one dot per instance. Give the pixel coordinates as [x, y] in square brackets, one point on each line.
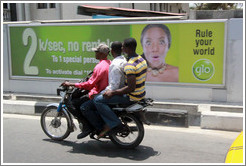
[89, 111]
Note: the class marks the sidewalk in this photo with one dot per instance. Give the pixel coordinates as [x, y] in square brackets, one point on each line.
[219, 116]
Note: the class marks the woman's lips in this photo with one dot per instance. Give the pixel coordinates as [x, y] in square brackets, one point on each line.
[155, 58]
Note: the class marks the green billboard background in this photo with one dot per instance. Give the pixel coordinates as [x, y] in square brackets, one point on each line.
[65, 51]
[61, 51]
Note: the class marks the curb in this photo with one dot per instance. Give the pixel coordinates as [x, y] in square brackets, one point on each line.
[207, 116]
[23, 107]
[155, 117]
[222, 121]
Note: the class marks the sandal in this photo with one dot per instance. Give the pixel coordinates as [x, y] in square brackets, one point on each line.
[104, 132]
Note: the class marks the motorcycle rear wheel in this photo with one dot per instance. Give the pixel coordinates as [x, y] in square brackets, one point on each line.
[55, 124]
[132, 135]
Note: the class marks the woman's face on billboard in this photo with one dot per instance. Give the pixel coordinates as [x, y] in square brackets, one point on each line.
[155, 46]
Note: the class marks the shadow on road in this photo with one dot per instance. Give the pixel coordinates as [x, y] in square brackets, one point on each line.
[108, 149]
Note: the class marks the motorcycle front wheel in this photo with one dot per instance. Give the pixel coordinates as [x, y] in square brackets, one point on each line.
[132, 134]
[55, 124]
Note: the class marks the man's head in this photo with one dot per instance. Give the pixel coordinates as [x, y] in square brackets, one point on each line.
[116, 48]
[101, 51]
[129, 46]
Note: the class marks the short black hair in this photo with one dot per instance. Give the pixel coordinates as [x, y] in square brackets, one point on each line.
[130, 43]
[163, 27]
[116, 47]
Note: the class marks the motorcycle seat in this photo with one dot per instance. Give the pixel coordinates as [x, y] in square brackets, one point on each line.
[122, 105]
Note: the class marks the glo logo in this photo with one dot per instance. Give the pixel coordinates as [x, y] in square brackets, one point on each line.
[203, 69]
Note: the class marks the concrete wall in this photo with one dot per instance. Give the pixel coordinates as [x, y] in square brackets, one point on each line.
[215, 14]
[231, 93]
[235, 61]
[43, 14]
[68, 11]
[63, 11]
[142, 6]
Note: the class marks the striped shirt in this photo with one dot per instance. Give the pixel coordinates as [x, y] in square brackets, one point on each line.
[137, 66]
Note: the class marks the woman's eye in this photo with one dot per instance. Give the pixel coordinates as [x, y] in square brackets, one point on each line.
[162, 42]
[148, 43]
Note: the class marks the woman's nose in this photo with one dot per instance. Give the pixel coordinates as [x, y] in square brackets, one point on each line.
[155, 47]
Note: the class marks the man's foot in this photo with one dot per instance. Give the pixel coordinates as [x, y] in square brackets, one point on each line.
[103, 132]
[84, 133]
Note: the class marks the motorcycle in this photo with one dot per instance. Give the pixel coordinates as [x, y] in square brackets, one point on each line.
[57, 119]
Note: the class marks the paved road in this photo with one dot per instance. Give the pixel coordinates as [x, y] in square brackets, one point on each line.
[25, 142]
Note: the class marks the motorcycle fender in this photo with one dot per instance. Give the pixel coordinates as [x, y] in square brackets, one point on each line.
[56, 105]
[142, 117]
[53, 105]
[134, 108]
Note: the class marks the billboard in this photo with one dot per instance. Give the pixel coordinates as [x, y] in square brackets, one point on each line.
[176, 52]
